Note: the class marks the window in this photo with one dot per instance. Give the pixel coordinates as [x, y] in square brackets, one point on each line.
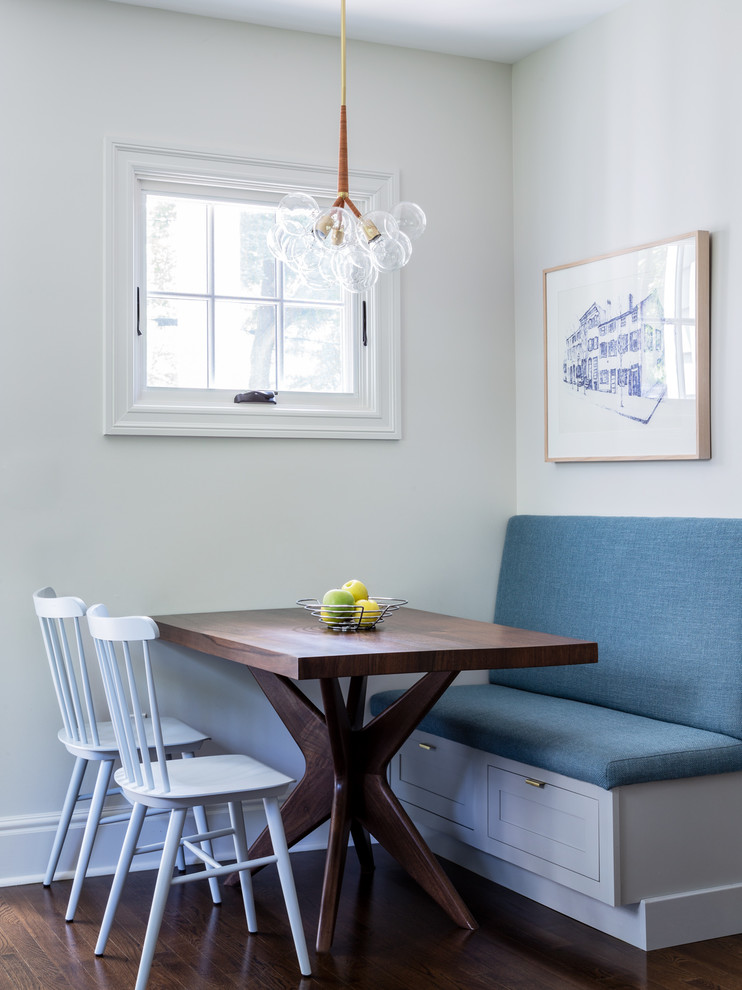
[199, 310]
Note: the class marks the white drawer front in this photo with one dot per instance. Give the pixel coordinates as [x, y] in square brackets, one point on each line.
[548, 822]
[437, 778]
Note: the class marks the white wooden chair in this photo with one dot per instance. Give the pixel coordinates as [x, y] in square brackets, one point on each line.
[87, 738]
[179, 785]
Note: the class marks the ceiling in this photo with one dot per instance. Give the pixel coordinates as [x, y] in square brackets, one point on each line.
[500, 30]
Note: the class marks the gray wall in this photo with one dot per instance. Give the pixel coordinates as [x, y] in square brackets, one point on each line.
[625, 133]
[158, 525]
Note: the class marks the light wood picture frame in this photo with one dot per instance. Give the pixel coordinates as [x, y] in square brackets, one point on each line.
[626, 342]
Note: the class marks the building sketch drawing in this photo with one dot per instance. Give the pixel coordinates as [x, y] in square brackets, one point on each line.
[616, 356]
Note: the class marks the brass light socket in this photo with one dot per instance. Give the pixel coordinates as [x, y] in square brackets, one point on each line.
[324, 225]
[371, 231]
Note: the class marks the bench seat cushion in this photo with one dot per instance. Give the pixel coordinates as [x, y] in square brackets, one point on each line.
[587, 742]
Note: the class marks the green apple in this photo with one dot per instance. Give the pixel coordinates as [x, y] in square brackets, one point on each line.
[357, 588]
[371, 611]
[342, 602]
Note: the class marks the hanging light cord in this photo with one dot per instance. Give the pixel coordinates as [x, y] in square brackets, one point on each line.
[343, 181]
[342, 53]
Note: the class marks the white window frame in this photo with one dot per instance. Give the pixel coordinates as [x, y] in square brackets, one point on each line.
[371, 411]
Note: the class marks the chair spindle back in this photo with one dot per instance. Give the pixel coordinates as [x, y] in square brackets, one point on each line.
[114, 640]
[59, 618]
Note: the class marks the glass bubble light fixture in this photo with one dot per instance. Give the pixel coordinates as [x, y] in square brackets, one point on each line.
[338, 244]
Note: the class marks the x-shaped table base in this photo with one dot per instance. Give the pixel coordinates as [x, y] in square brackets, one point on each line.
[345, 781]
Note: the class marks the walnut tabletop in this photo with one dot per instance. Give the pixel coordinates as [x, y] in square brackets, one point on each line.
[292, 643]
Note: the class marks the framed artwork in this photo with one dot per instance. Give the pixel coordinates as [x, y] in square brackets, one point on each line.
[627, 354]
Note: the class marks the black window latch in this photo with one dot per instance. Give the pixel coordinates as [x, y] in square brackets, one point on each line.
[259, 395]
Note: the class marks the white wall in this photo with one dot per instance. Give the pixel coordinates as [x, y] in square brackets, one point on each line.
[624, 133]
[162, 525]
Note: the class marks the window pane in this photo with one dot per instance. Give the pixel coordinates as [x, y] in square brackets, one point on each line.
[177, 343]
[176, 244]
[313, 349]
[296, 290]
[243, 265]
[244, 345]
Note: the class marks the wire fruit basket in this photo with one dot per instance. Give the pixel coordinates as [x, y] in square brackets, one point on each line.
[352, 618]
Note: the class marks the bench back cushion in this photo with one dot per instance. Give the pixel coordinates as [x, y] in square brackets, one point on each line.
[661, 596]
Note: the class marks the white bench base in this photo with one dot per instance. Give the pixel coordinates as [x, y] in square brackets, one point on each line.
[654, 865]
[655, 923]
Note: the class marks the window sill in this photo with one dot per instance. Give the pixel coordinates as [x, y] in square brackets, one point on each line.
[154, 415]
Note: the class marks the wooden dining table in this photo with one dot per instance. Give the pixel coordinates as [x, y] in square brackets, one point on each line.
[345, 778]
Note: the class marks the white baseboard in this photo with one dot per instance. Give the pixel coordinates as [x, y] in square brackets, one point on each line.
[25, 843]
[655, 923]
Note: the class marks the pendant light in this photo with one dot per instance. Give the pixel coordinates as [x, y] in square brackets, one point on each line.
[339, 245]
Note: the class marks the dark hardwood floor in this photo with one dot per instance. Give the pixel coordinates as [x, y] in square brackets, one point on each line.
[390, 936]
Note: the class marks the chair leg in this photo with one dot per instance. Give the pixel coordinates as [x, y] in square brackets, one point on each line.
[237, 819]
[102, 783]
[70, 800]
[162, 889]
[122, 871]
[180, 862]
[199, 815]
[286, 876]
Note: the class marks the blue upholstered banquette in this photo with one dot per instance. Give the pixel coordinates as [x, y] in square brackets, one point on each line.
[663, 599]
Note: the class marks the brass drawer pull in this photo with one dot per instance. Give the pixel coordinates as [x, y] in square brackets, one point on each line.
[535, 783]
[425, 746]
